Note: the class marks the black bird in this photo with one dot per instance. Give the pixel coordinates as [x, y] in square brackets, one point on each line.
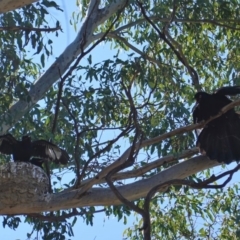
[35, 152]
[220, 138]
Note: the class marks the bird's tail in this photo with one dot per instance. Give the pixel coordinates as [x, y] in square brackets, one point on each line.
[222, 141]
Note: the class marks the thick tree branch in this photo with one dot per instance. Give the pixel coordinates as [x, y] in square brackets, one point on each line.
[104, 196]
[150, 166]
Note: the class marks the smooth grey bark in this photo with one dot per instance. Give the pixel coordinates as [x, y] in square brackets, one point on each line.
[104, 196]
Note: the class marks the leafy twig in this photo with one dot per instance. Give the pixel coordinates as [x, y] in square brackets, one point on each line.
[173, 44]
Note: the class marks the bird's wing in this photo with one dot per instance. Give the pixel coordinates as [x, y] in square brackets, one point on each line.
[6, 143]
[46, 150]
[231, 90]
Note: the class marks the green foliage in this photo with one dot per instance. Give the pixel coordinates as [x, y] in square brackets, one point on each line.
[51, 230]
[11, 222]
[119, 212]
[193, 214]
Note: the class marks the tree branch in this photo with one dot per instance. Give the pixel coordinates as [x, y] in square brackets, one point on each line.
[150, 166]
[105, 196]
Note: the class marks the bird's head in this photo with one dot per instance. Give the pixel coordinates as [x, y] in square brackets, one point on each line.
[200, 95]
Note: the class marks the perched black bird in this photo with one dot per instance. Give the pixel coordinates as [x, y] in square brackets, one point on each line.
[35, 152]
[220, 138]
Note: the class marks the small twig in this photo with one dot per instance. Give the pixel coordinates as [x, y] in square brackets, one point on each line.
[216, 22]
[29, 29]
[133, 109]
[54, 125]
[53, 218]
[60, 89]
[76, 149]
[196, 185]
[135, 49]
[97, 154]
[127, 163]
